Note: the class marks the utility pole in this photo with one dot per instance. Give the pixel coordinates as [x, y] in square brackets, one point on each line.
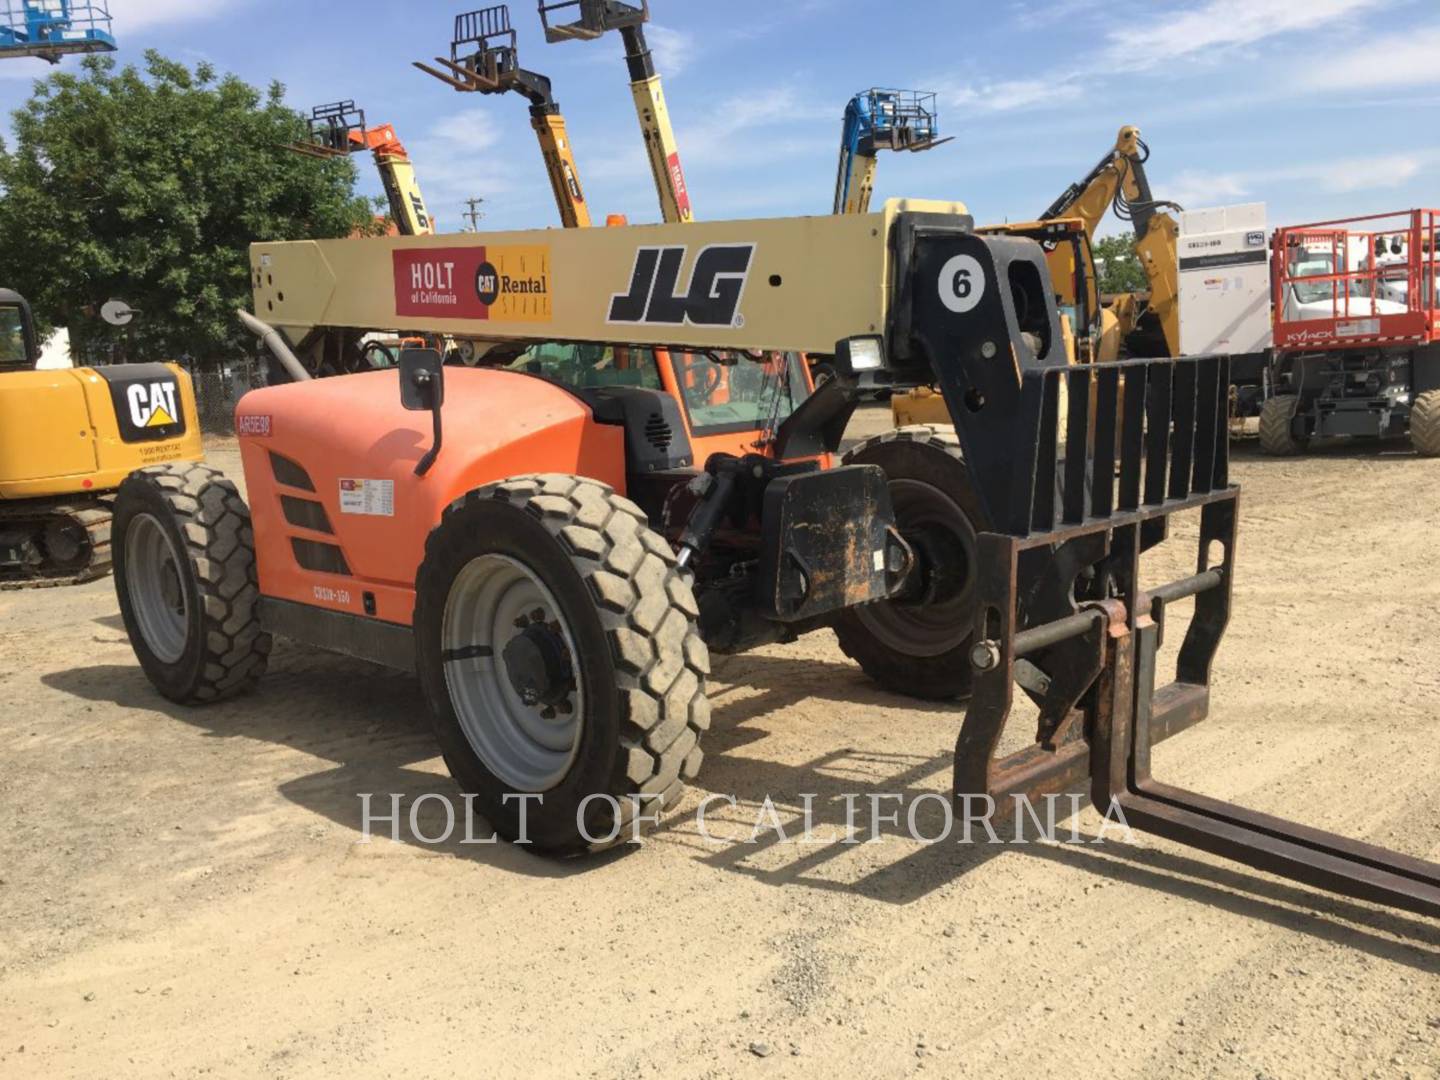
[474, 214]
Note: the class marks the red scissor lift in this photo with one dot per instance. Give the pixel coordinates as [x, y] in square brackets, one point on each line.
[1356, 308]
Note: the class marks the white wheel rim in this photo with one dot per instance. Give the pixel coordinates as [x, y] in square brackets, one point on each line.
[157, 593]
[529, 746]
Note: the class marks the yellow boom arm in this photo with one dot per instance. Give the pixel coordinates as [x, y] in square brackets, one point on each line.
[1119, 181]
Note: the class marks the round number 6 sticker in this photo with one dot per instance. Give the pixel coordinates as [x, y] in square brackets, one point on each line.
[962, 284]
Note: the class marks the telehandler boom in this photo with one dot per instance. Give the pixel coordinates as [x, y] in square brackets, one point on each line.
[340, 129]
[592, 19]
[484, 59]
[558, 542]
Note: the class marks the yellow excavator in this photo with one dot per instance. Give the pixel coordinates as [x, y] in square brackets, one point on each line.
[67, 439]
[1118, 182]
[484, 60]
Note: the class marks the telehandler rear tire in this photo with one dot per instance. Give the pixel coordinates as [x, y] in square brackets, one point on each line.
[185, 577]
[921, 647]
[1425, 424]
[557, 645]
[1277, 435]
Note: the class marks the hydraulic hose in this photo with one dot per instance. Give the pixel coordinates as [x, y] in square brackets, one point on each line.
[277, 346]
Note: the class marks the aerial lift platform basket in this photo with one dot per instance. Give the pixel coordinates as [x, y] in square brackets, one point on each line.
[1068, 476]
[52, 29]
[877, 119]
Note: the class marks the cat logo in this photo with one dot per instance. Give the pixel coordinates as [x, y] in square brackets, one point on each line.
[149, 400]
[712, 298]
[153, 405]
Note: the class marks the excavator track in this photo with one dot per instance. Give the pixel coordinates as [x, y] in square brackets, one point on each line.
[47, 543]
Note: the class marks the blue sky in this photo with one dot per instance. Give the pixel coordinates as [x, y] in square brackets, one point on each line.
[1321, 108]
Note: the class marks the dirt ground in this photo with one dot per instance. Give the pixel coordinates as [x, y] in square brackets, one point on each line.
[186, 892]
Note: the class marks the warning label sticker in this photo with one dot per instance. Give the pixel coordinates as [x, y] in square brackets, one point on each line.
[509, 283]
[373, 497]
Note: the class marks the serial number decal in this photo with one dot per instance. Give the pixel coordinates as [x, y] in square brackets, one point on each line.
[253, 426]
[332, 596]
[510, 283]
[375, 498]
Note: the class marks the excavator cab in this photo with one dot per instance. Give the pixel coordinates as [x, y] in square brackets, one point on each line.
[19, 348]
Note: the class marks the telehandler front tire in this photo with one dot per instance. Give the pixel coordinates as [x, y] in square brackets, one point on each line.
[557, 645]
[920, 647]
[1425, 424]
[185, 577]
[1277, 433]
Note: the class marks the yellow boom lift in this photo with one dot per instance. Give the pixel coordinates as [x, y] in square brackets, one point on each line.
[340, 129]
[484, 60]
[595, 18]
[67, 439]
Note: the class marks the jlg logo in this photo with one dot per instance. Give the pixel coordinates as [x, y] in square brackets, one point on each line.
[152, 405]
[712, 298]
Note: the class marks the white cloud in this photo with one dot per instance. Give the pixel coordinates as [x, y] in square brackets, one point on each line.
[673, 49]
[1217, 25]
[470, 130]
[1194, 188]
[748, 114]
[1411, 59]
[145, 14]
[1004, 95]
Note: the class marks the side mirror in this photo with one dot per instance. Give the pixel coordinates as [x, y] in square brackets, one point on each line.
[422, 380]
[422, 389]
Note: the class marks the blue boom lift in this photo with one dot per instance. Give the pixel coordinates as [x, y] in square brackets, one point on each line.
[51, 29]
[880, 120]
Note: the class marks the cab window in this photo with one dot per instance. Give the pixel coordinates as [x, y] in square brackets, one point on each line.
[13, 350]
[580, 366]
[726, 391]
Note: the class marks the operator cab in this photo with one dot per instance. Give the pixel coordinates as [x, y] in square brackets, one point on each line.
[728, 402]
[18, 348]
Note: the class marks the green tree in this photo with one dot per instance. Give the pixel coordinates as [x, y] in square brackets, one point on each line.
[1118, 266]
[150, 187]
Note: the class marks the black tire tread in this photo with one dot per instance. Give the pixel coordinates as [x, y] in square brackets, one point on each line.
[1276, 437]
[215, 524]
[1425, 424]
[860, 648]
[648, 612]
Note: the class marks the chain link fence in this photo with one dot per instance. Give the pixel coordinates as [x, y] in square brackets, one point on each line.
[218, 387]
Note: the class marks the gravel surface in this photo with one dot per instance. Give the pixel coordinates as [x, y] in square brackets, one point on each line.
[186, 892]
